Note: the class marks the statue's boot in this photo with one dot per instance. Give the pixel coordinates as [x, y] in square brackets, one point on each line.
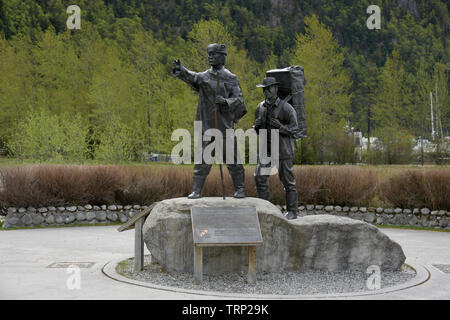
[262, 185]
[263, 195]
[290, 215]
[291, 205]
[239, 184]
[197, 187]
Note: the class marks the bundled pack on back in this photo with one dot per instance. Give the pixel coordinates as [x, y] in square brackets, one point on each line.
[292, 87]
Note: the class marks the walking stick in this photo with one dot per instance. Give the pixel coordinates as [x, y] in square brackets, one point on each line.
[217, 127]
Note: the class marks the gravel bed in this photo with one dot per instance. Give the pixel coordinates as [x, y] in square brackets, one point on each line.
[285, 283]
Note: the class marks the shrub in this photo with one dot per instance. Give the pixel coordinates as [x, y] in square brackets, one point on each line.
[43, 136]
[145, 185]
[40, 185]
[118, 141]
[394, 146]
[341, 147]
[418, 188]
[343, 185]
[45, 185]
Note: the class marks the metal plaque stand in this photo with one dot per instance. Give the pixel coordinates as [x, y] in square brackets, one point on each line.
[225, 226]
[137, 222]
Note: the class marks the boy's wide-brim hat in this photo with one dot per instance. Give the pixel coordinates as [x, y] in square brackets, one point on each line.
[269, 81]
[219, 48]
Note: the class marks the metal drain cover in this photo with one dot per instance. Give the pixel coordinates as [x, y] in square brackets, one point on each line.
[68, 264]
[445, 268]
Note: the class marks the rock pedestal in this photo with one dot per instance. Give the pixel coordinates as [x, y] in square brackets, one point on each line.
[322, 242]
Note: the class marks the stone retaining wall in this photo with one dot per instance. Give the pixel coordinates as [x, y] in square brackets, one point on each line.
[419, 217]
[88, 214]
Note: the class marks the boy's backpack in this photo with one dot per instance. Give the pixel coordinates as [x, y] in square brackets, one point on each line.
[292, 89]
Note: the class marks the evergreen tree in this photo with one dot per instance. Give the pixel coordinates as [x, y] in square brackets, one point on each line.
[392, 100]
[328, 83]
[120, 62]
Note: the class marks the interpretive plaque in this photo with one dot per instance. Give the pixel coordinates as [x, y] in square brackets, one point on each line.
[225, 226]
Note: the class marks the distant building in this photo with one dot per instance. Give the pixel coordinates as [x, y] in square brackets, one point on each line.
[427, 145]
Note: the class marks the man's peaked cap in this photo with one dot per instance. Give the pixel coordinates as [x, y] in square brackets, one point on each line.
[219, 48]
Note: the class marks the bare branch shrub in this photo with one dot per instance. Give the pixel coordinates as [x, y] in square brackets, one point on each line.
[418, 188]
[58, 185]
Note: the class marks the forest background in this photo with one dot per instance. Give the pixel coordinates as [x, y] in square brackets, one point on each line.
[106, 93]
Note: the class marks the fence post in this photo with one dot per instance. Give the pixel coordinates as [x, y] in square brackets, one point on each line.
[138, 245]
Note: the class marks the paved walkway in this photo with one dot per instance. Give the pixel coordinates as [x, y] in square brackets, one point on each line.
[25, 255]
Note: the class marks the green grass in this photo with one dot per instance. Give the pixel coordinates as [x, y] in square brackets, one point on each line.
[389, 226]
[62, 226]
[124, 265]
[4, 161]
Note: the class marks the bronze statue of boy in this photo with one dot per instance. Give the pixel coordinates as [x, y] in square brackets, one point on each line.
[274, 113]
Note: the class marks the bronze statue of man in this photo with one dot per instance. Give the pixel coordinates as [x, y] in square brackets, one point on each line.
[220, 106]
[274, 113]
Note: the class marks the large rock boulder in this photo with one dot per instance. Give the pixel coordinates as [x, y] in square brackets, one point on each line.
[313, 242]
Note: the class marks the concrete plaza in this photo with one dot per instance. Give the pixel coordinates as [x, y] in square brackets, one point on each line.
[26, 254]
